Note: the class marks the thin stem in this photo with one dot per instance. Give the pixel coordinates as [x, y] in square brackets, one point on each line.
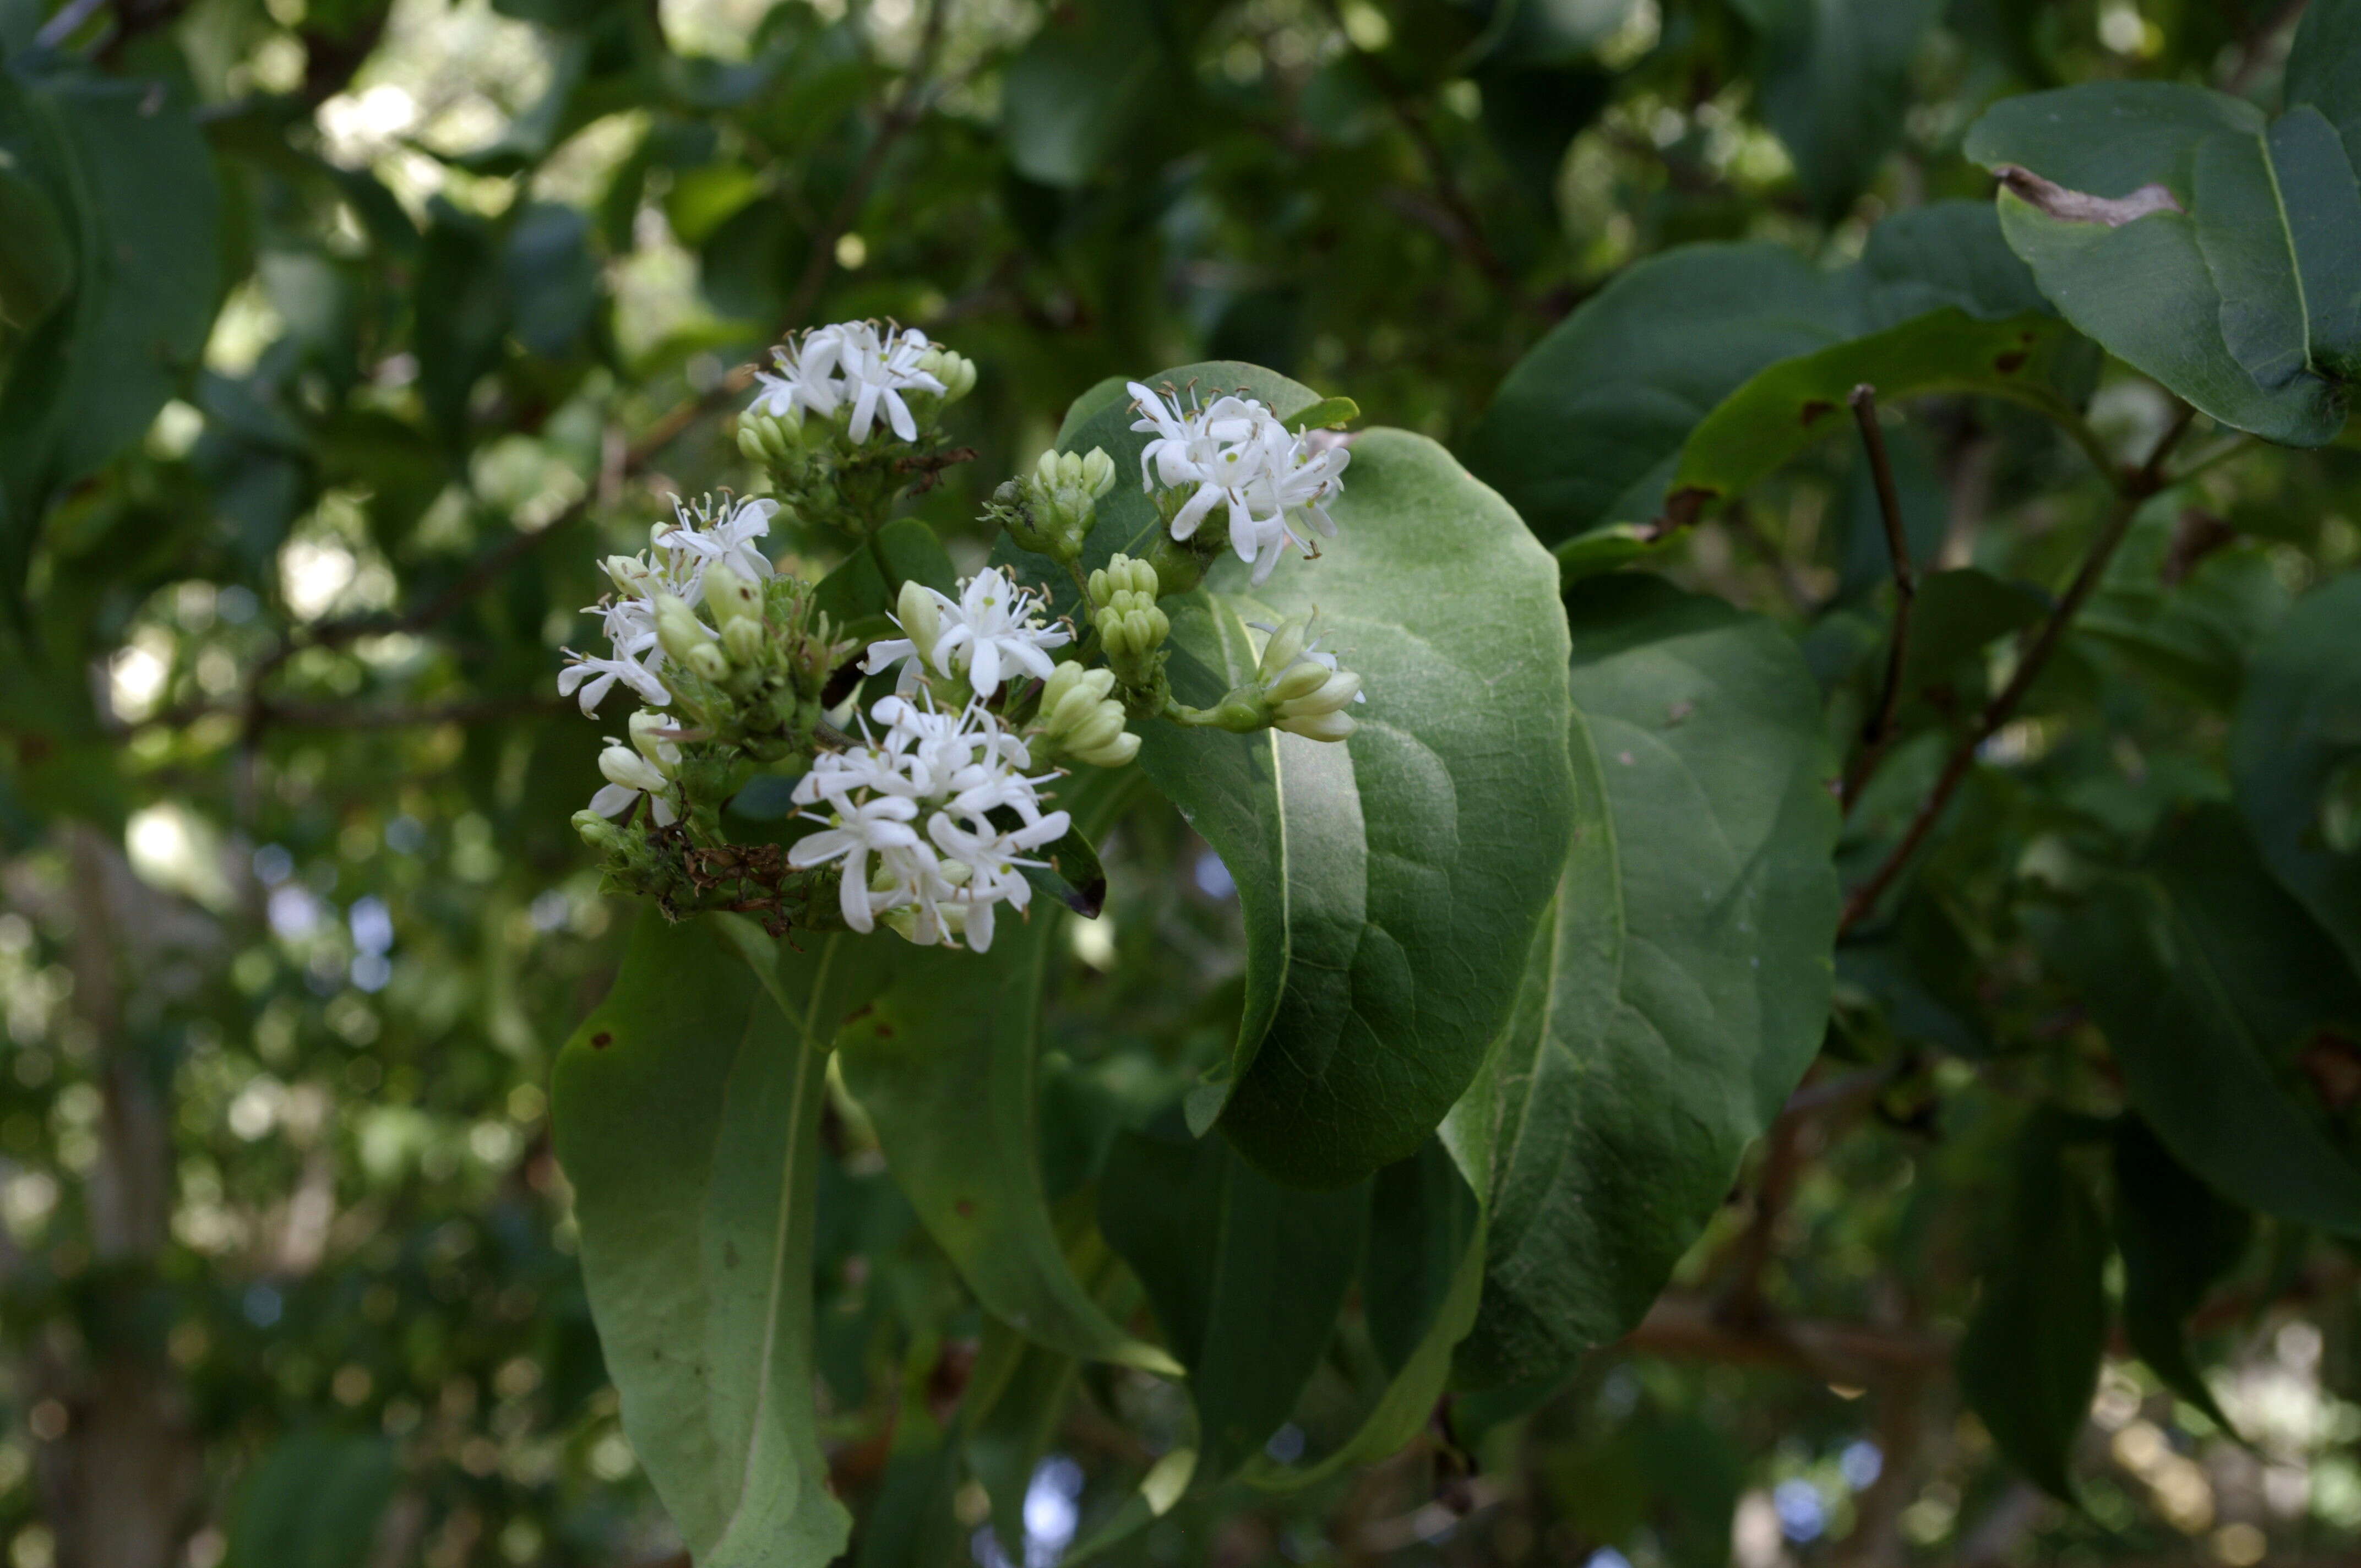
[1879, 731]
[2131, 489]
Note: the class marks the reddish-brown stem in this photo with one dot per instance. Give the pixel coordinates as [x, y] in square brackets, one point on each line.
[1880, 728]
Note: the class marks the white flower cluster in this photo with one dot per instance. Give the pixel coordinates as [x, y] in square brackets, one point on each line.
[703, 534]
[1236, 451]
[908, 818]
[850, 363]
[992, 631]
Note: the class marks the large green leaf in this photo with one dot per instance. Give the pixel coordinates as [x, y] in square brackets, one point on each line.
[2177, 1238]
[1245, 1277]
[1681, 986]
[945, 1066]
[2208, 981]
[1587, 431]
[2216, 251]
[1834, 81]
[2296, 739]
[2029, 1361]
[126, 167]
[687, 1110]
[1388, 884]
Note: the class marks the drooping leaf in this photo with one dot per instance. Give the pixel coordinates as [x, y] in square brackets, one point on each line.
[2299, 732]
[1389, 883]
[2029, 1361]
[1245, 1277]
[2208, 981]
[1681, 984]
[1836, 80]
[945, 1066]
[2177, 1239]
[1429, 1222]
[688, 1109]
[126, 170]
[2211, 249]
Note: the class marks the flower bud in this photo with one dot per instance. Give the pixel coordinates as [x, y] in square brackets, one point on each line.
[649, 737]
[1123, 575]
[629, 573]
[598, 832]
[770, 439]
[623, 766]
[677, 628]
[1319, 725]
[709, 662]
[1300, 679]
[920, 615]
[1079, 718]
[1287, 643]
[744, 640]
[1098, 472]
[732, 595]
[1334, 692]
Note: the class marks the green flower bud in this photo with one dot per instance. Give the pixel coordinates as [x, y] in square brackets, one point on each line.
[1319, 725]
[677, 628]
[772, 439]
[921, 618]
[744, 640]
[709, 662]
[1079, 718]
[598, 832]
[1098, 472]
[629, 573]
[621, 765]
[1332, 694]
[1299, 679]
[1123, 575]
[956, 371]
[1286, 644]
[732, 595]
[648, 739]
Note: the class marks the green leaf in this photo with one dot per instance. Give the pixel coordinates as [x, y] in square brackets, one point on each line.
[1959, 614]
[1587, 431]
[1328, 414]
[2220, 253]
[2177, 1239]
[2207, 979]
[126, 167]
[944, 1065]
[2297, 732]
[1614, 389]
[36, 265]
[2198, 634]
[1085, 82]
[1388, 884]
[1785, 408]
[1834, 81]
[1681, 984]
[2324, 66]
[1428, 1222]
[687, 1110]
[2029, 1361]
[1020, 1391]
[862, 589]
[1245, 1277]
[313, 1501]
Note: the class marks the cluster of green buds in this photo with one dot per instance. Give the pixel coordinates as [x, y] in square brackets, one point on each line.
[1131, 629]
[850, 418]
[1051, 510]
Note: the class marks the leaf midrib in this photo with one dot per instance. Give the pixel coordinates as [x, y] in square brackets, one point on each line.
[2287, 232]
[767, 1374]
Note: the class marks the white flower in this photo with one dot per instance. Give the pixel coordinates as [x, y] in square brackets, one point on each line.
[851, 363]
[952, 772]
[994, 630]
[629, 776]
[856, 830]
[721, 533]
[597, 677]
[1236, 452]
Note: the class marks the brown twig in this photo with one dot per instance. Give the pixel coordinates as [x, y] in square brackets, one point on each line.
[1692, 1328]
[2131, 489]
[335, 715]
[1879, 731]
